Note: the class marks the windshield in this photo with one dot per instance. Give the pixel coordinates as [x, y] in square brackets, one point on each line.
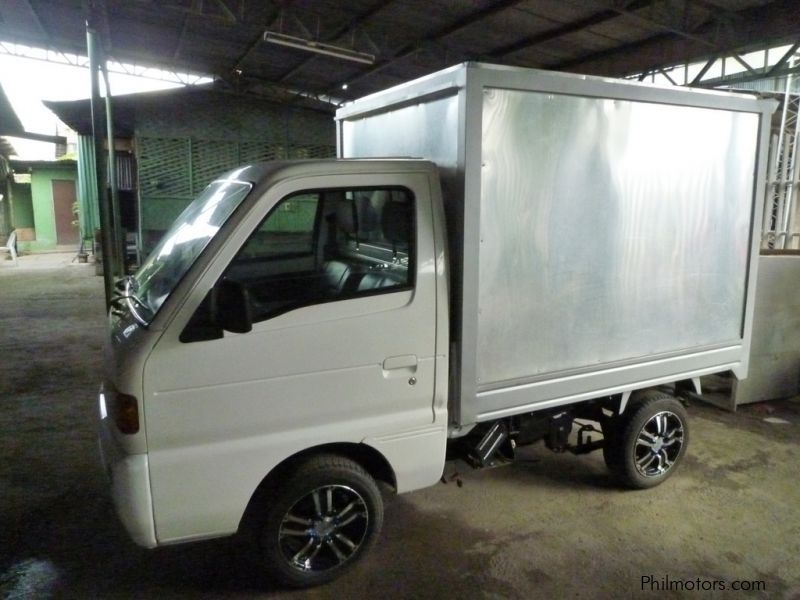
[182, 244]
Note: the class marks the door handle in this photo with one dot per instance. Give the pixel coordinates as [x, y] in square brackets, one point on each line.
[405, 361]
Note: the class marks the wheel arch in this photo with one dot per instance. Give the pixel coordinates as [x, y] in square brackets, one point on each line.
[629, 399]
[370, 459]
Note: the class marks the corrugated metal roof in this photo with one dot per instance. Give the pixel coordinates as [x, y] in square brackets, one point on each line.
[76, 114]
[9, 122]
[409, 38]
[6, 149]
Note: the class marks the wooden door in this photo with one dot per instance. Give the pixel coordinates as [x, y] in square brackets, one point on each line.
[63, 200]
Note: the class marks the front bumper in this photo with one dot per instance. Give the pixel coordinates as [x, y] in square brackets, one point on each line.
[130, 483]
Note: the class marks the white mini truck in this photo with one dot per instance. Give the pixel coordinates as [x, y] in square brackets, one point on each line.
[563, 248]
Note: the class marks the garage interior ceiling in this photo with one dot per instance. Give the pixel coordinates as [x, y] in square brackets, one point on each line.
[408, 38]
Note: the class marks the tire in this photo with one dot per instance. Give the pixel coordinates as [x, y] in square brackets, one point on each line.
[319, 521]
[646, 444]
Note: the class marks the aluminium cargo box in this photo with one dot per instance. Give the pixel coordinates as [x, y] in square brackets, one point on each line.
[601, 232]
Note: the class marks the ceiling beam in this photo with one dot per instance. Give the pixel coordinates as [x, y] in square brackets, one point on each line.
[38, 20]
[665, 27]
[255, 42]
[226, 10]
[197, 8]
[181, 38]
[565, 29]
[414, 47]
[96, 13]
[718, 11]
[667, 75]
[759, 27]
[699, 77]
[684, 33]
[784, 59]
[779, 69]
[732, 80]
[105, 23]
[349, 28]
[125, 66]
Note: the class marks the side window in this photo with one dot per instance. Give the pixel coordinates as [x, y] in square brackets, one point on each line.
[287, 232]
[325, 245]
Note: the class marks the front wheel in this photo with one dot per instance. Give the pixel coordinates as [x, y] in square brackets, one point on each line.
[320, 521]
[645, 445]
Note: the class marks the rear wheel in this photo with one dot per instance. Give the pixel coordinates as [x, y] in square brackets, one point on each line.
[320, 521]
[645, 445]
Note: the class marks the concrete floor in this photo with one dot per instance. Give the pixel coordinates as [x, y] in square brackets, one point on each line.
[548, 526]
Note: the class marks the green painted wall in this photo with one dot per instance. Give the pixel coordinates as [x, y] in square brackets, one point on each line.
[159, 213]
[22, 212]
[44, 217]
[296, 215]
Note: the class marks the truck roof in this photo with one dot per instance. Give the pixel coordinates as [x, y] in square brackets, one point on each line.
[452, 79]
[274, 171]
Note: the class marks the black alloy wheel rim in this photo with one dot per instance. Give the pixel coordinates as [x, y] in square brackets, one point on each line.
[323, 529]
[658, 444]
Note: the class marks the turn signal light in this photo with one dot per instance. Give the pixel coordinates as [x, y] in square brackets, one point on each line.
[126, 413]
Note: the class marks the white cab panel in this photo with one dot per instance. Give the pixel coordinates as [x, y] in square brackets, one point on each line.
[221, 414]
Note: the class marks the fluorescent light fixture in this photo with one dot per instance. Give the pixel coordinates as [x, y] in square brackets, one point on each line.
[320, 48]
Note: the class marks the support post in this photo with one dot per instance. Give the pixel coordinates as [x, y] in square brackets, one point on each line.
[116, 215]
[106, 225]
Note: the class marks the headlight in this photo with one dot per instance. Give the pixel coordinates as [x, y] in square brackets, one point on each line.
[101, 404]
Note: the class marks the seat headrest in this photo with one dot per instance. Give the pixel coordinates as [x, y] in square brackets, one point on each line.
[346, 218]
[396, 221]
[367, 215]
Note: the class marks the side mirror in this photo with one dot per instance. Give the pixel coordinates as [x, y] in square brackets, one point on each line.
[232, 309]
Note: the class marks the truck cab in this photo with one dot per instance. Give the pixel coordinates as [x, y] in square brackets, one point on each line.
[294, 309]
